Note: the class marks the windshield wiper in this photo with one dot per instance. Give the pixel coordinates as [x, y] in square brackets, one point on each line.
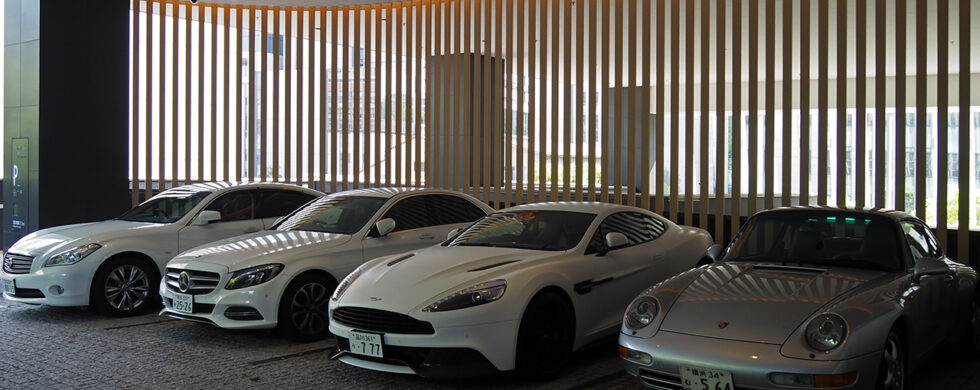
[487, 244]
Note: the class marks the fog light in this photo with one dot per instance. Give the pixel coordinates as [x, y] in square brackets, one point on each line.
[786, 379]
[242, 313]
[56, 290]
[818, 381]
[635, 356]
[838, 380]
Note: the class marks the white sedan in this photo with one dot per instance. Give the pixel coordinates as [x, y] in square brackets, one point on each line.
[115, 265]
[282, 278]
[520, 289]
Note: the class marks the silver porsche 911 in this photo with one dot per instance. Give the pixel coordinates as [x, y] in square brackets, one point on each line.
[805, 297]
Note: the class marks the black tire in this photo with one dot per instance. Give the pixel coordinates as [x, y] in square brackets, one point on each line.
[544, 341]
[892, 369]
[303, 314]
[124, 287]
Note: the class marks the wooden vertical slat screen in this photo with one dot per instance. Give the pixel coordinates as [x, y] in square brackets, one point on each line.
[860, 101]
[530, 100]
[963, 233]
[787, 78]
[752, 170]
[689, 114]
[720, 150]
[805, 153]
[842, 153]
[921, 77]
[880, 103]
[942, 117]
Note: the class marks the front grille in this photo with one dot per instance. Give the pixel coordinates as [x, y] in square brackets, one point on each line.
[199, 282]
[17, 264]
[28, 293]
[660, 381]
[381, 321]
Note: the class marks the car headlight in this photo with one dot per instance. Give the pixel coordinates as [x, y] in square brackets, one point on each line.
[826, 332]
[72, 256]
[473, 296]
[344, 284]
[641, 312]
[253, 276]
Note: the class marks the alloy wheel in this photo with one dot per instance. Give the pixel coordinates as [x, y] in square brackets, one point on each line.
[894, 365]
[309, 308]
[127, 287]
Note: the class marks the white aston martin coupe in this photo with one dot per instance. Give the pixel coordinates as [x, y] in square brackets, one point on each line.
[520, 289]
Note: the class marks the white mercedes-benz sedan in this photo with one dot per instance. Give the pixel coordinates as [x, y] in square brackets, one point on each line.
[115, 265]
[520, 289]
[283, 278]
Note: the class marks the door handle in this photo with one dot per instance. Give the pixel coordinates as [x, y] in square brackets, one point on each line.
[427, 236]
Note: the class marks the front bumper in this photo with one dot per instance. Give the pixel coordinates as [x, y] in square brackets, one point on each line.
[457, 351]
[55, 286]
[749, 363]
[227, 308]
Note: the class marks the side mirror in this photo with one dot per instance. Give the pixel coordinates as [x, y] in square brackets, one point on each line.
[453, 233]
[207, 216]
[384, 226]
[929, 266]
[714, 252]
[614, 240]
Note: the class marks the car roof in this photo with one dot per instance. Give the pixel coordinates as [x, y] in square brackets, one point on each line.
[389, 192]
[579, 207]
[222, 186]
[887, 213]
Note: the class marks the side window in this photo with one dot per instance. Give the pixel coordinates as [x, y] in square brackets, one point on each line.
[409, 213]
[235, 206]
[276, 203]
[637, 227]
[920, 240]
[449, 209]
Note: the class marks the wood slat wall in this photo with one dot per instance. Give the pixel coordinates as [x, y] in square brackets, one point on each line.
[530, 100]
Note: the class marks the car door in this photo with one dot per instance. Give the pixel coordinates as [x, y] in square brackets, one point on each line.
[931, 302]
[238, 217]
[612, 280]
[275, 203]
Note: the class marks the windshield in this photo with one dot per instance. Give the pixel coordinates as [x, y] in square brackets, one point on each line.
[821, 238]
[531, 229]
[165, 208]
[333, 214]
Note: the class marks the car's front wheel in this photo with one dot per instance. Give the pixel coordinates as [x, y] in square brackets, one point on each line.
[544, 341]
[891, 370]
[123, 287]
[303, 314]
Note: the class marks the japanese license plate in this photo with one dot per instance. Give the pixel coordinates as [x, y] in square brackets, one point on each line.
[694, 378]
[8, 286]
[368, 344]
[183, 303]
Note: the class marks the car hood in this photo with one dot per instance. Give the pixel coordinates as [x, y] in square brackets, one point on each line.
[269, 246]
[407, 282]
[757, 302]
[44, 241]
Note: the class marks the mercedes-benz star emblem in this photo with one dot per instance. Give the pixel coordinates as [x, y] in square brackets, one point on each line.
[184, 282]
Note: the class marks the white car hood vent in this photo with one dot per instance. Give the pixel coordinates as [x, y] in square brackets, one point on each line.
[400, 259]
[486, 267]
